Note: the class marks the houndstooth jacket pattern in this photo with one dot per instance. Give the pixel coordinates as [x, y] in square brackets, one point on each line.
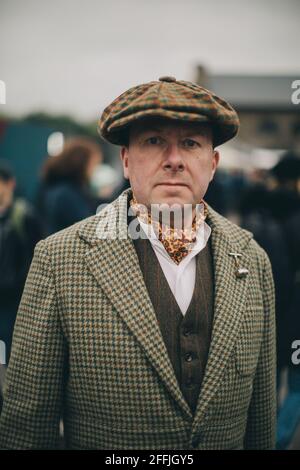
[87, 346]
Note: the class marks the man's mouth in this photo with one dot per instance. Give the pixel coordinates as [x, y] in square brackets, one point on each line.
[171, 184]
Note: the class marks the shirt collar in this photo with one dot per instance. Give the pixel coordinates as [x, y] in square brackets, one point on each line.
[202, 235]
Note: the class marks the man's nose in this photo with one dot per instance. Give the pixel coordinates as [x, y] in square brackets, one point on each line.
[173, 159]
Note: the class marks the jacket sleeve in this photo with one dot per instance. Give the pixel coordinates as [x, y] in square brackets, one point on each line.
[33, 386]
[261, 423]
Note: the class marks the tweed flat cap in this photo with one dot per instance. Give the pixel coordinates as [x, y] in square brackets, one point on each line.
[168, 98]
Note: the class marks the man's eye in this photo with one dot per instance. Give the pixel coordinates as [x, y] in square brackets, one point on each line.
[153, 140]
[190, 143]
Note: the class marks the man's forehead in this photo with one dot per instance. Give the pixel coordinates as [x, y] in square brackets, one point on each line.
[167, 125]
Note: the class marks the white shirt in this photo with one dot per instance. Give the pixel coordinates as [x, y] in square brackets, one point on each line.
[180, 277]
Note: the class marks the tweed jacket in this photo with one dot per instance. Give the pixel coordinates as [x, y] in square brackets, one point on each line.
[87, 346]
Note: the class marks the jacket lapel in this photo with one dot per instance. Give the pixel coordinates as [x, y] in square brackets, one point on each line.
[114, 264]
[230, 296]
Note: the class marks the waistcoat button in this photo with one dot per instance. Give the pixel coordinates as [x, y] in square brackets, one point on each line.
[189, 383]
[188, 357]
[187, 332]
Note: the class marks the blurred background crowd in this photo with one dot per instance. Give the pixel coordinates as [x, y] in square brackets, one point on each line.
[55, 171]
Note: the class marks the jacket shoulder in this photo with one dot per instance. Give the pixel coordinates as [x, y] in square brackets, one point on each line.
[67, 238]
[239, 237]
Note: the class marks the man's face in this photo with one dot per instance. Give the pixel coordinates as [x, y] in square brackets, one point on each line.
[169, 161]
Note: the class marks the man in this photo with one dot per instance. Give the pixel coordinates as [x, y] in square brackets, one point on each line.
[147, 333]
[20, 230]
[285, 205]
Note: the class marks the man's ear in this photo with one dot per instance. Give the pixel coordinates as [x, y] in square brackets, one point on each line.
[215, 163]
[124, 158]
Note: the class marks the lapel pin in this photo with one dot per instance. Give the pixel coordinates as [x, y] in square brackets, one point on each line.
[240, 272]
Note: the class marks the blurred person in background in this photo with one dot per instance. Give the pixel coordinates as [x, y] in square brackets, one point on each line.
[285, 190]
[66, 195]
[257, 216]
[286, 208]
[216, 195]
[20, 230]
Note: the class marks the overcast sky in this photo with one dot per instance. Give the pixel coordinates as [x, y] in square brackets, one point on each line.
[75, 56]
